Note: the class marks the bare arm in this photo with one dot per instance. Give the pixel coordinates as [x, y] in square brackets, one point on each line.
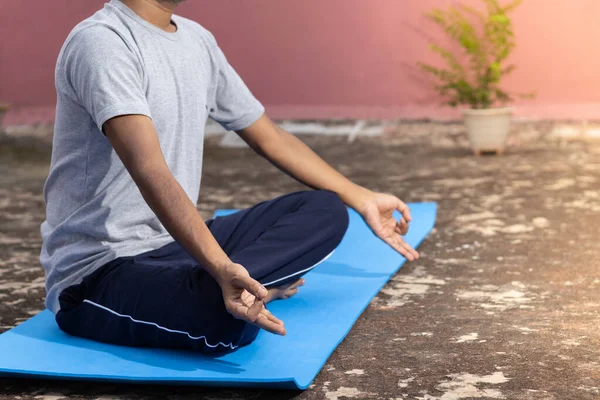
[292, 156]
[296, 159]
[135, 140]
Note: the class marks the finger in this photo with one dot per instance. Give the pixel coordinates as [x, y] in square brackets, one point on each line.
[271, 317]
[397, 245]
[289, 293]
[399, 231]
[252, 286]
[408, 248]
[255, 309]
[400, 249]
[264, 320]
[402, 226]
[404, 210]
[238, 310]
[269, 325]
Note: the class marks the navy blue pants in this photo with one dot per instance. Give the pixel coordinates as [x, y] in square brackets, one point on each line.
[164, 298]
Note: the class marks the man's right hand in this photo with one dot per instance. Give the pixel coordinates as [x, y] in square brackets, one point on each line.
[244, 298]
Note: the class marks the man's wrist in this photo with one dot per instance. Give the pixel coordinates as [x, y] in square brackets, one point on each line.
[357, 197]
[217, 269]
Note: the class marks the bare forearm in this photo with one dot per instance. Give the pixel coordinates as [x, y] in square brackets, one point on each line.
[177, 213]
[135, 140]
[295, 158]
[181, 219]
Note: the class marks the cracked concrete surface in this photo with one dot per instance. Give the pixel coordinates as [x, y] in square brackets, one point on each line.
[503, 304]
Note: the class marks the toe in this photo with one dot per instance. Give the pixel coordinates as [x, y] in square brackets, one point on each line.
[296, 284]
[289, 293]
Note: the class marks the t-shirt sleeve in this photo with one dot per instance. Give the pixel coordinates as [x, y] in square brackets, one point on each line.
[105, 75]
[234, 106]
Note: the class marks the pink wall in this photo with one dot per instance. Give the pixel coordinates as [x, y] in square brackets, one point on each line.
[329, 58]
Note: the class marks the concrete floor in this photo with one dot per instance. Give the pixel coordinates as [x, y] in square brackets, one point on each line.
[503, 304]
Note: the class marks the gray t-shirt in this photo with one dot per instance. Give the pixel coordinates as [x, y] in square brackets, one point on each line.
[116, 63]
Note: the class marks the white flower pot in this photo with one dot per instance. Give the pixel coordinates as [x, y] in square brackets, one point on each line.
[488, 128]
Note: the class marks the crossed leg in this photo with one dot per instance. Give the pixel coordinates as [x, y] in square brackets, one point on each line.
[163, 298]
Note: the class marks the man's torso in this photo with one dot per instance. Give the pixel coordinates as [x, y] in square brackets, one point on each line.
[95, 212]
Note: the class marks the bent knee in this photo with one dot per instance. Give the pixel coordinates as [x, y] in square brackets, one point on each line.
[334, 211]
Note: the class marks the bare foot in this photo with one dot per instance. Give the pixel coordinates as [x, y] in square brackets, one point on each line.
[284, 292]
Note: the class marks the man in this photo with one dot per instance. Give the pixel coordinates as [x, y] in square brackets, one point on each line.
[128, 259]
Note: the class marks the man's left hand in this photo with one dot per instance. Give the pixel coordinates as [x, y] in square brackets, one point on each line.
[378, 211]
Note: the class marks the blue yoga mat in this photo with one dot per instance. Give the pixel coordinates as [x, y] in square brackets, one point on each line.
[317, 320]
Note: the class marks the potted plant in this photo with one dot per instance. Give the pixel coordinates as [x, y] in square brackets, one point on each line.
[474, 72]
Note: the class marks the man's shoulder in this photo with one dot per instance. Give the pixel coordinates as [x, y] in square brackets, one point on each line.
[94, 38]
[98, 32]
[103, 28]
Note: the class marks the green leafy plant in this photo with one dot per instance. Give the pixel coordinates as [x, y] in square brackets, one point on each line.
[485, 39]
